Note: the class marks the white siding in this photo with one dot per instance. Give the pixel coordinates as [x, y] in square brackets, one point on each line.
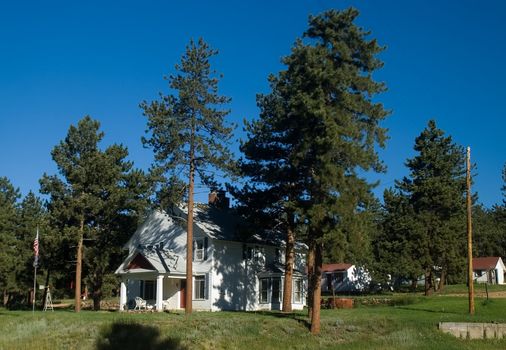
[234, 282]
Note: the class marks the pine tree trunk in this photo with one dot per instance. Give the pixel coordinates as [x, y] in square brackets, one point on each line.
[97, 297]
[289, 261]
[317, 276]
[44, 297]
[77, 306]
[442, 280]
[189, 228]
[310, 274]
[414, 284]
[428, 282]
[97, 293]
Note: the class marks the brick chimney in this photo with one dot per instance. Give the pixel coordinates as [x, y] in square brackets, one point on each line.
[218, 199]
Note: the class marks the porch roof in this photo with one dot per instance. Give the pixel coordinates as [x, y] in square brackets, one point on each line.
[156, 260]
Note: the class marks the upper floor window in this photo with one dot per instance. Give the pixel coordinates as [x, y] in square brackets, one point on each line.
[254, 253]
[277, 257]
[199, 249]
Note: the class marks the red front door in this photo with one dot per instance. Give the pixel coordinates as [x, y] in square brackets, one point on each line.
[182, 295]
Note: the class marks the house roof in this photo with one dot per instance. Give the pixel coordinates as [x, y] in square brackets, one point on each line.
[336, 267]
[153, 259]
[485, 263]
[223, 224]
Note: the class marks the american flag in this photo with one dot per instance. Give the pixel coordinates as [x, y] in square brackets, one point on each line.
[36, 249]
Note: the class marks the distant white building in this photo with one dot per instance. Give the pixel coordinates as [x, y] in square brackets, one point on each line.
[344, 277]
[489, 270]
[229, 272]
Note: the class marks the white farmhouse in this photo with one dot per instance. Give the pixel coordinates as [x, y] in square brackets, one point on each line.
[229, 272]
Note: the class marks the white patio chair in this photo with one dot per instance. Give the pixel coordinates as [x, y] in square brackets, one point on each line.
[140, 303]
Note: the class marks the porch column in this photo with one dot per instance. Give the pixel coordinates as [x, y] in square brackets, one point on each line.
[159, 293]
[122, 296]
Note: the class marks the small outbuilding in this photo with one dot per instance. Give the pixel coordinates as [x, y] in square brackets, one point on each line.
[344, 277]
[489, 269]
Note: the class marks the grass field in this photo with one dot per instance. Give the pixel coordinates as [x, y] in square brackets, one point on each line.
[410, 322]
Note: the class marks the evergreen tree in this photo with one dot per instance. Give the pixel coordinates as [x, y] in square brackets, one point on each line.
[488, 232]
[435, 189]
[35, 216]
[98, 195]
[189, 136]
[490, 227]
[9, 221]
[395, 247]
[332, 84]
[317, 128]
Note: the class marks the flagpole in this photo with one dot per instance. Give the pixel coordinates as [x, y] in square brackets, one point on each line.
[35, 264]
[34, 285]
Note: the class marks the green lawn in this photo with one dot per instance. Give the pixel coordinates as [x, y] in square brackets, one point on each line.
[412, 324]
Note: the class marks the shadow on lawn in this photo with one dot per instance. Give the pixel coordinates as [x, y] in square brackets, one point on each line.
[439, 311]
[294, 316]
[127, 335]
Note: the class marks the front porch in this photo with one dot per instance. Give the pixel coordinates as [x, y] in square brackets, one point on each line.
[160, 292]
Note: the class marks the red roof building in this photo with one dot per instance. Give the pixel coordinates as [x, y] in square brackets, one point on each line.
[489, 269]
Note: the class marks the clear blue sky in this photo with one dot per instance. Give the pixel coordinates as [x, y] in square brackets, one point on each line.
[62, 60]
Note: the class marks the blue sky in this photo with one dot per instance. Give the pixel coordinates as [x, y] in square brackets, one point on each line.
[62, 60]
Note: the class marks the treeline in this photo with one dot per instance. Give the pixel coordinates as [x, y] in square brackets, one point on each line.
[421, 228]
[300, 174]
[97, 198]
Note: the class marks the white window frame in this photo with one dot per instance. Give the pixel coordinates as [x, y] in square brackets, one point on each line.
[199, 285]
[279, 280]
[267, 282]
[198, 252]
[297, 290]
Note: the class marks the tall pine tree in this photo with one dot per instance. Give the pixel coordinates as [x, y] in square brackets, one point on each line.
[189, 135]
[98, 195]
[9, 257]
[435, 189]
[318, 127]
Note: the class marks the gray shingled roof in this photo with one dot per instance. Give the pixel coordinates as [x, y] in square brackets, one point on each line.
[224, 224]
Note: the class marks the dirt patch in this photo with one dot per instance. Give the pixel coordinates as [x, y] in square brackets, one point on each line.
[480, 294]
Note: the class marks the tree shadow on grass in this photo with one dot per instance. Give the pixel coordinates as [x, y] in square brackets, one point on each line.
[133, 336]
[438, 311]
[294, 316]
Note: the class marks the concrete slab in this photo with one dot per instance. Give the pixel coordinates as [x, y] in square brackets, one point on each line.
[474, 330]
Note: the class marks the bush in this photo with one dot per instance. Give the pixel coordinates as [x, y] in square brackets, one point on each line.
[404, 300]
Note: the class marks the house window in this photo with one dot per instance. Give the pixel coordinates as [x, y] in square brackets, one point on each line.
[199, 287]
[264, 290]
[339, 277]
[147, 290]
[255, 254]
[199, 249]
[259, 255]
[329, 281]
[277, 256]
[276, 290]
[297, 290]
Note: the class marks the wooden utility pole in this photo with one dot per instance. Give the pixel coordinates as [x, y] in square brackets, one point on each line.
[469, 234]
